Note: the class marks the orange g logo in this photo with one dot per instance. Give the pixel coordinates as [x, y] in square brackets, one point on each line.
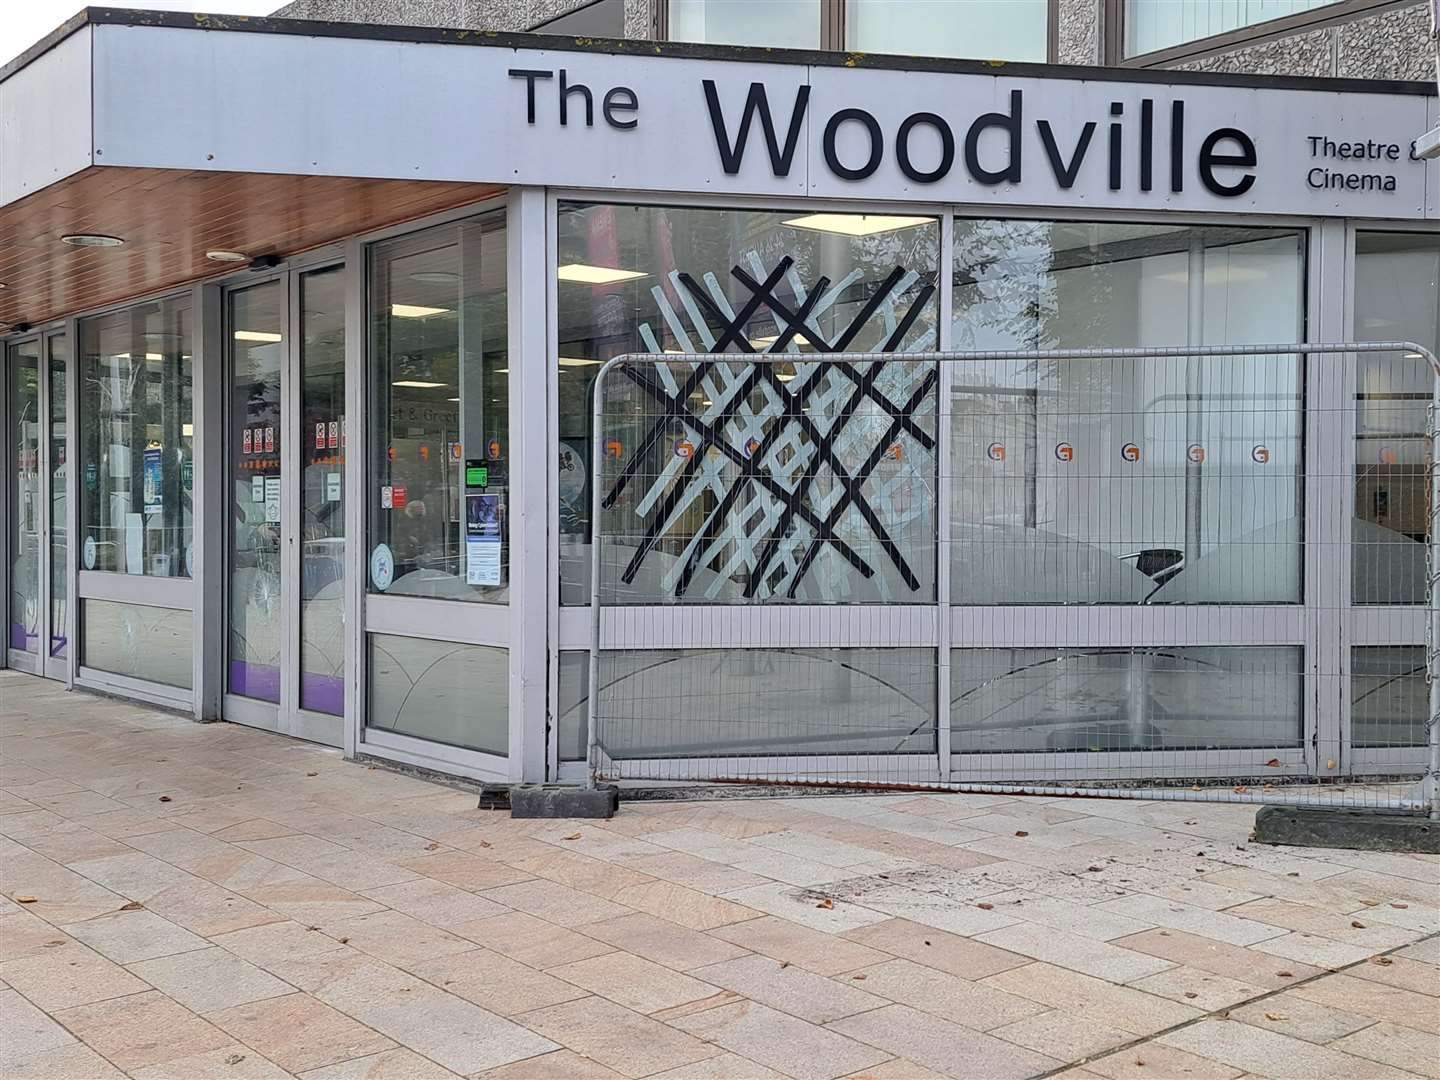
[1130, 452]
[1260, 455]
[1064, 452]
[1388, 456]
[995, 451]
[1196, 453]
[613, 449]
[894, 451]
[684, 448]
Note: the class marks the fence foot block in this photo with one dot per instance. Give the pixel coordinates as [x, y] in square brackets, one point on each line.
[494, 797]
[1357, 830]
[563, 801]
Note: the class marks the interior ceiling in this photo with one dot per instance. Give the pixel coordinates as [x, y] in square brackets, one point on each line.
[169, 218]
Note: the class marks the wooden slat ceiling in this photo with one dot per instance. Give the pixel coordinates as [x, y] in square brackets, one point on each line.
[169, 218]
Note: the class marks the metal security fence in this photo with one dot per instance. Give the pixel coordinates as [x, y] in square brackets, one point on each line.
[1201, 572]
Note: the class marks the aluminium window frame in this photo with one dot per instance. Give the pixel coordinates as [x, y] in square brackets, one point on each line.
[833, 27]
[1311, 625]
[1112, 29]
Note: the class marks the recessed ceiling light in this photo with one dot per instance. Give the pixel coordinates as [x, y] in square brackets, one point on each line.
[227, 256]
[584, 274]
[857, 224]
[577, 361]
[447, 399]
[256, 335]
[187, 431]
[417, 384]
[91, 240]
[415, 311]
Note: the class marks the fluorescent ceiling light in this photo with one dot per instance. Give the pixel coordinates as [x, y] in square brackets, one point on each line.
[154, 356]
[447, 399]
[856, 224]
[418, 384]
[227, 256]
[187, 431]
[585, 274]
[784, 376]
[415, 311]
[577, 361]
[256, 335]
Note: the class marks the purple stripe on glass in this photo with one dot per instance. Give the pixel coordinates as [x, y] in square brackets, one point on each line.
[323, 693]
[261, 681]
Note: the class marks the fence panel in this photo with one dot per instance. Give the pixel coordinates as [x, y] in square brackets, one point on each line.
[1152, 587]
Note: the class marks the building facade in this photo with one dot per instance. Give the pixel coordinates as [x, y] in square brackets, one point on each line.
[1355, 39]
[298, 371]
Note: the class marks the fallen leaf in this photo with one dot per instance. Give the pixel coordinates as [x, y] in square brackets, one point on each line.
[25, 899]
[1285, 974]
[1092, 869]
[857, 977]
[827, 904]
[572, 836]
[1021, 832]
[1402, 907]
[1382, 961]
[53, 944]
[484, 843]
[927, 943]
[1293, 873]
[434, 845]
[1191, 994]
[985, 907]
[784, 964]
[1370, 903]
[1357, 924]
[312, 774]
[234, 1059]
[1276, 1016]
[133, 905]
[166, 798]
[344, 940]
[1273, 763]
[312, 928]
[1139, 1061]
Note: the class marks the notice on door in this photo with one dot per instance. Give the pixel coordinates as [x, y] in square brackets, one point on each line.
[154, 491]
[482, 539]
[272, 498]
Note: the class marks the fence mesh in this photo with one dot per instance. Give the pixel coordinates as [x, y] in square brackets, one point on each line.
[1199, 572]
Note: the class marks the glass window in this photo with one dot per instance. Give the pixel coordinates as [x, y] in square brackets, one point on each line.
[763, 702]
[1154, 480]
[1194, 698]
[440, 691]
[257, 439]
[322, 491]
[1159, 24]
[139, 641]
[59, 487]
[776, 24]
[690, 519]
[1388, 696]
[1397, 298]
[439, 466]
[982, 29]
[136, 437]
[24, 399]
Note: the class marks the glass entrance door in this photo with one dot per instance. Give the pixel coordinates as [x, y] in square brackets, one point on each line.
[37, 633]
[285, 663]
